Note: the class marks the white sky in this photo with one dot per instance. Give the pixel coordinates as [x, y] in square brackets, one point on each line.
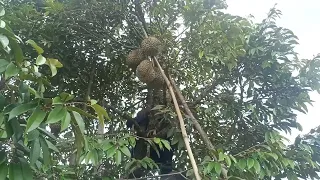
[303, 18]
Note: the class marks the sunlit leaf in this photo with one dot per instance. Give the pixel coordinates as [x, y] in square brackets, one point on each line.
[4, 40]
[40, 60]
[111, 151]
[35, 46]
[257, 166]
[125, 151]
[79, 121]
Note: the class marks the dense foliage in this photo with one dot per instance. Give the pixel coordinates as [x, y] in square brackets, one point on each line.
[66, 91]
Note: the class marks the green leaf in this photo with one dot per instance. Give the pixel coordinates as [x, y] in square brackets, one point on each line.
[3, 156]
[257, 166]
[26, 171]
[156, 140]
[228, 160]
[34, 92]
[92, 101]
[101, 112]
[18, 54]
[273, 155]
[210, 167]
[2, 11]
[2, 24]
[79, 120]
[3, 171]
[1, 118]
[35, 119]
[35, 151]
[65, 121]
[242, 164]
[221, 156]
[53, 70]
[11, 70]
[3, 65]
[56, 114]
[250, 163]
[66, 96]
[40, 60]
[201, 54]
[111, 152]
[51, 146]
[54, 62]
[57, 100]
[35, 46]
[106, 145]
[80, 111]
[166, 144]
[4, 40]
[45, 151]
[218, 168]
[125, 150]
[21, 109]
[15, 172]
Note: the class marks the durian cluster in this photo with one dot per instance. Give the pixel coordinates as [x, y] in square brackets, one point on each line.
[145, 69]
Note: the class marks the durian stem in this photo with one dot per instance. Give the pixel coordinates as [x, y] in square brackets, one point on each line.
[181, 122]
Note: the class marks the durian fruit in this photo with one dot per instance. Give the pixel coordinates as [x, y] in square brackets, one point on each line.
[158, 81]
[150, 46]
[145, 71]
[134, 58]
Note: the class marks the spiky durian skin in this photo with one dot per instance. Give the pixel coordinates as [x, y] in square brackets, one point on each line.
[158, 82]
[145, 71]
[150, 46]
[134, 58]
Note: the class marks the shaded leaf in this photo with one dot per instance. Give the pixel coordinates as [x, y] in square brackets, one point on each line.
[35, 151]
[11, 70]
[3, 171]
[56, 114]
[45, 151]
[35, 119]
[21, 109]
[3, 65]
[65, 121]
[15, 172]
